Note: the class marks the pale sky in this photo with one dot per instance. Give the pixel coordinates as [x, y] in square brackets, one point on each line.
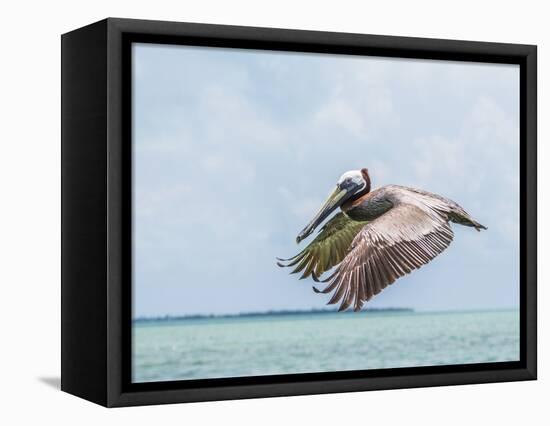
[235, 150]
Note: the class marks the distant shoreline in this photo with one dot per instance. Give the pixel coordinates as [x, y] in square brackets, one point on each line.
[262, 314]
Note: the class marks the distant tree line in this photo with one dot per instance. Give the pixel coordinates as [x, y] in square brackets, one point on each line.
[268, 313]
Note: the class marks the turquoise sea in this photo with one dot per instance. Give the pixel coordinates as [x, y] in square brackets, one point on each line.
[284, 344]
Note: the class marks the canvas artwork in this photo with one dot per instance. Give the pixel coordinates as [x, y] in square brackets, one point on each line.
[307, 212]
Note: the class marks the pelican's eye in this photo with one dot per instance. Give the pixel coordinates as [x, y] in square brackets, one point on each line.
[347, 183]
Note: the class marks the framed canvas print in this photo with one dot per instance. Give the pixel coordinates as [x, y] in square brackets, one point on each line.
[253, 212]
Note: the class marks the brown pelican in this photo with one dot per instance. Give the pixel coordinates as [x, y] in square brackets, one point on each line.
[378, 237]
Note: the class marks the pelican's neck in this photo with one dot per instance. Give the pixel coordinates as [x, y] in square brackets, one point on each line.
[359, 199]
[365, 173]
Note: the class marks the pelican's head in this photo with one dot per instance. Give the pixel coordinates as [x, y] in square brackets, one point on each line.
[350, 186]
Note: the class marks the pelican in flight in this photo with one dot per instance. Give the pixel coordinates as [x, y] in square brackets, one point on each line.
[378, 237]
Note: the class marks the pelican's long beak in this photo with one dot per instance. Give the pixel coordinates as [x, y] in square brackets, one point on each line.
[334, 200]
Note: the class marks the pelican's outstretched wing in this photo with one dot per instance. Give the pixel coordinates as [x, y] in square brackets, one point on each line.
[392, 245]
[327, 249]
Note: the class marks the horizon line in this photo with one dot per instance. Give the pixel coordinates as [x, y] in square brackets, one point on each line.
[275, 312]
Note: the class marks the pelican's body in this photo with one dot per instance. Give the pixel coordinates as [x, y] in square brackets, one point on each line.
[374, 204]
[377, 238]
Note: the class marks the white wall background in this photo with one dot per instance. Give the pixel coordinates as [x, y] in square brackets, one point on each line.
[30, 194]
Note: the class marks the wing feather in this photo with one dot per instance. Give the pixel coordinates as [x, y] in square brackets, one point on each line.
[328, 249]
[391, 246]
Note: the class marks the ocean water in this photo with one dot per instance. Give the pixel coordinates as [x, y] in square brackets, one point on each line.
[284, 344]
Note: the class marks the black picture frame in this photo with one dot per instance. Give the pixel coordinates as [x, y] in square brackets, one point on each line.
[96, 211]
